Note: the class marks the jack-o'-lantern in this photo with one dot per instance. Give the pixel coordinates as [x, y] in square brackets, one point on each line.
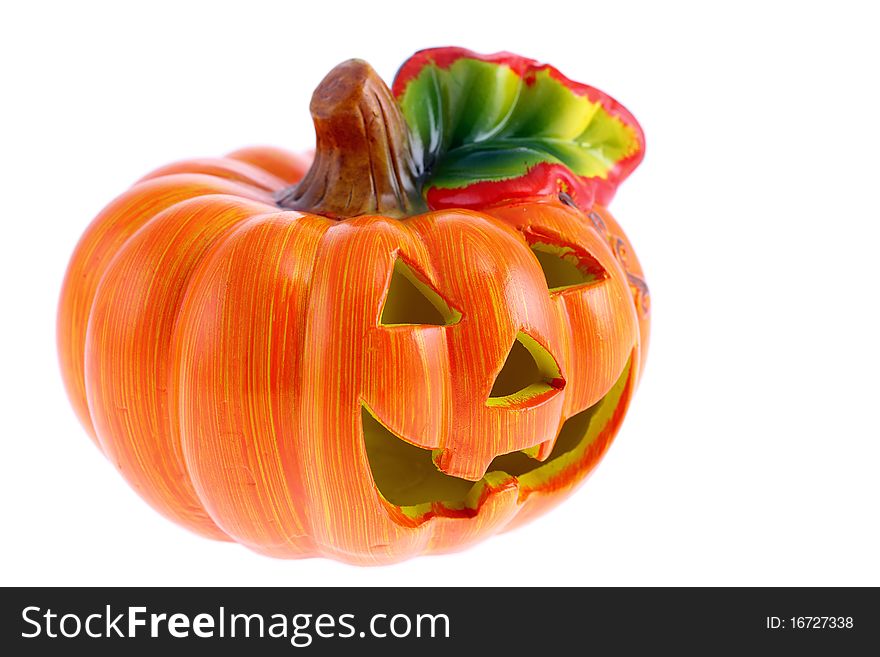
[428, 334]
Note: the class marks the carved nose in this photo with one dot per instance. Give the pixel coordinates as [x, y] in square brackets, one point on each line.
[528, 376]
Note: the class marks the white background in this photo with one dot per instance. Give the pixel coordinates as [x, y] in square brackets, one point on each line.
[751, 452]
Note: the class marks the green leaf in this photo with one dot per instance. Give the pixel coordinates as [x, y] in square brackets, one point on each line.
[478, 119]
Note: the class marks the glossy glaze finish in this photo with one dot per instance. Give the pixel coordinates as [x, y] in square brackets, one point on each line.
[222, 352]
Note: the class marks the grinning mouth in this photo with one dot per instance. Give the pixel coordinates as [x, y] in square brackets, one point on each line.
[405, 475]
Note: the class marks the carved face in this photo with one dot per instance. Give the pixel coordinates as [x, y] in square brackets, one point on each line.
[428, 380]
[531, 328]
[316, 365]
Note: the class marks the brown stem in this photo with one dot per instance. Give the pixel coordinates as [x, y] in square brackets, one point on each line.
[363, 160]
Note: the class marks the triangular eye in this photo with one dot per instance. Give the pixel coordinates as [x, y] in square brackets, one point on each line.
[529, 371]
[412, 300]
[567, 266]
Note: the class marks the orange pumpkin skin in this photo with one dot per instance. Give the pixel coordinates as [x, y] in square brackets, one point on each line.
[220, 350]
[296, 354]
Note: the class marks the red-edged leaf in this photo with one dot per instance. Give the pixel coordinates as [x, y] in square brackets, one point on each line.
[487, 128]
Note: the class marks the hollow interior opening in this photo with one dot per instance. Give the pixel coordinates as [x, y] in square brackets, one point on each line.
[528, 371]
[565, 267]
[519, 371]
[571, 433]
[406, 476]
[411, 300]
[403, 473]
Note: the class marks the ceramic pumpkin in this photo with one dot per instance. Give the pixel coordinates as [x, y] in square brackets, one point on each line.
[426, 335]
